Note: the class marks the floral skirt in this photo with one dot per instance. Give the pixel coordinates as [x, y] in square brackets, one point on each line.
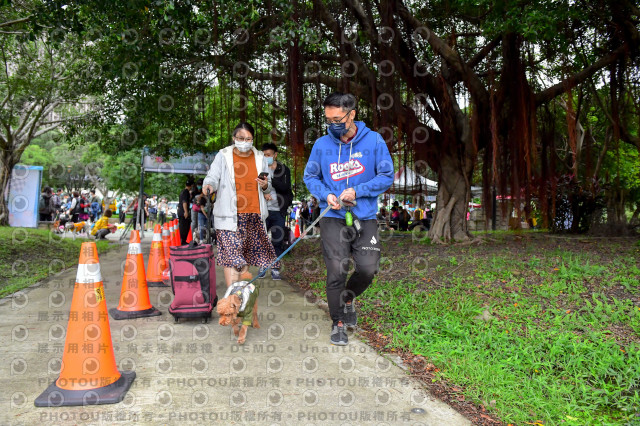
[248, 245]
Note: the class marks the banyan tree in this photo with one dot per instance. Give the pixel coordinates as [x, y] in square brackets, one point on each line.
[460, 86]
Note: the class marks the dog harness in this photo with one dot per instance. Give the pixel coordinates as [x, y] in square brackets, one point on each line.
[247, 293]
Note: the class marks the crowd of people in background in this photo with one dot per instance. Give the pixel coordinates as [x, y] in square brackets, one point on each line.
[79, 206]
[404, 218]
[61, 208]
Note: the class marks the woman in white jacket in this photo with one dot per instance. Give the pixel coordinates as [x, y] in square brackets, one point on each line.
[240, 208]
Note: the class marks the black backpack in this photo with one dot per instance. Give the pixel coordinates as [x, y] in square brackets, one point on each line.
[44, 204]
[78, 208]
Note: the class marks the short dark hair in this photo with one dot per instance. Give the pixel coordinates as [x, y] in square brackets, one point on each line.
[108, 212]
[346, 101]
[189, 182]
[246, 126]
[270, 145]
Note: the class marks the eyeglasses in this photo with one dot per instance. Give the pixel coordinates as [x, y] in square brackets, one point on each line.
[330, 122]
[244, 139]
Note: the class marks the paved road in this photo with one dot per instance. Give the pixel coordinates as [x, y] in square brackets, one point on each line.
[193, 373]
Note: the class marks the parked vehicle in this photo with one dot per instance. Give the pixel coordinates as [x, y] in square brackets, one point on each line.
[173, 209]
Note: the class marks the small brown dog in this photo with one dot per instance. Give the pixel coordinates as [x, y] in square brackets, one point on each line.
[77, 228]
[239, 305]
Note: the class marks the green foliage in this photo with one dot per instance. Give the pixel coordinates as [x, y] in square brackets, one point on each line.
[532, 333]
[19, 268]
[623, 163]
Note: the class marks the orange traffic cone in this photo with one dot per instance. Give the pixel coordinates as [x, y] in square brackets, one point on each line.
[176, 238]
[189, 237]
[89, 375]
[157, 262]
[134, 296]
[296, 232]
[166, 240]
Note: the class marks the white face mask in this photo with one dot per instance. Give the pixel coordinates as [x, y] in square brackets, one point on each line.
[243, 146]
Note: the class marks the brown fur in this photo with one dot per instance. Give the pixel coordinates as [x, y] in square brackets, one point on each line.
[228, 309]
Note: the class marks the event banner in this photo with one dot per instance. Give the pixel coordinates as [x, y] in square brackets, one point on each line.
[24, 193]
[197, 164]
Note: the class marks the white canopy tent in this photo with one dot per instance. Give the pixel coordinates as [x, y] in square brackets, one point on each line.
[407, 181]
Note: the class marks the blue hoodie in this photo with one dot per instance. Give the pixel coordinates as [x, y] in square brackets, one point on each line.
[369, 170]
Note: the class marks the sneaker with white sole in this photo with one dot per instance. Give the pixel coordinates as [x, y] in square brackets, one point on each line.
[262, 273]
[350, 315]
[275, 274]
[339, 335]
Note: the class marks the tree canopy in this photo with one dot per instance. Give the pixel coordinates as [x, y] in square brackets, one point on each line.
[453, 86]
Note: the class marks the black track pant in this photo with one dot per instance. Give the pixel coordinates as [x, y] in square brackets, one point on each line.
[339, 244]
[183, 226]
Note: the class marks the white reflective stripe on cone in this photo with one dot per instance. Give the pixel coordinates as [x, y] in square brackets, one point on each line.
[157, 237]
[134, 248]
[88, 273]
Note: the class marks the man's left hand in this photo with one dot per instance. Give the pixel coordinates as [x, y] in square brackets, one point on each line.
[348, 194]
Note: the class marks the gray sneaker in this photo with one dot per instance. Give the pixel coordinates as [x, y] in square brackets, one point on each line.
[262, 272]
[350, 315]
[339, 335]
[275, 274]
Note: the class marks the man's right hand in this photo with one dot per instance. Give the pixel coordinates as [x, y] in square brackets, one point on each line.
[332, 200]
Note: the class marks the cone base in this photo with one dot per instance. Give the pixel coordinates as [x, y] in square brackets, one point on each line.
[156, 284]
[54, 396]
[117, 314]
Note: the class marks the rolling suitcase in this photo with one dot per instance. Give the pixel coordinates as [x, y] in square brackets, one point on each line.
[193, 281]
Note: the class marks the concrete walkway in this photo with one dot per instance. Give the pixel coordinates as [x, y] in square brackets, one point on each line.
[194, 373]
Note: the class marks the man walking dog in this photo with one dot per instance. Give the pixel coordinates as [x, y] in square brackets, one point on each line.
[348, 168]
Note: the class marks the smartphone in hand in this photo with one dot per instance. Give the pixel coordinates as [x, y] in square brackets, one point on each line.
[263, 175]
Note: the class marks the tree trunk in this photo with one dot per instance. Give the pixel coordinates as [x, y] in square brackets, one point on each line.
[7, 162]
[452, 201]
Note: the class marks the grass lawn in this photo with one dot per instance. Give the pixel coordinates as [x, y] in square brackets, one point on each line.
[528, 327]
[28, 255]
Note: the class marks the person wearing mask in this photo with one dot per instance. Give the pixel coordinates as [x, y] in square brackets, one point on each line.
[45, 205]
[315, 212]
[163, 209]
[152, 208]
[184, 210]
[195, 207]
[56, 201]
[85, 207]
[240, 175]
[403, 219]
[350, 163]
[122, 207]
[201, 202]
[95, 206]
[383, 217]
[134, 206]
[74, 207]
[278, 202]
[304, 216]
